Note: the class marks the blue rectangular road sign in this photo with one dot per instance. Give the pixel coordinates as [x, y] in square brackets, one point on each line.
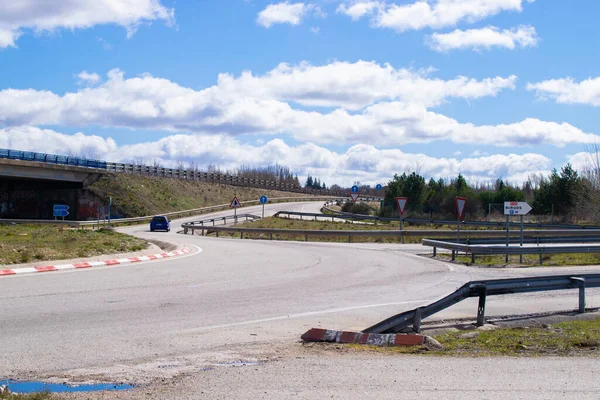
[61, 210]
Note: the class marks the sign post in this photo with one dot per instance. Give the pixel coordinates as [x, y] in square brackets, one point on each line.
[401, 202]
[235, 204]
[460, 203]
[109, 209]
[520, 208]
[263, 201]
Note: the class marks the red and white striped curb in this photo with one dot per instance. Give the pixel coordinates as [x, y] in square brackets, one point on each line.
[373, 339]
[51, 268]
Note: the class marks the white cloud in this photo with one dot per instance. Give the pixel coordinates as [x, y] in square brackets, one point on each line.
[360, 162]
[428, 14]
[31, 138]
[86, 78]
[251, 105]
[581, 161]
[568, 91]
[484, 38]
[286, 13]
[359, 9]
[356, 85]
[42, 15]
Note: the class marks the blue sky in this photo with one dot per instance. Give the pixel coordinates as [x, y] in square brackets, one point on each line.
[344, 90]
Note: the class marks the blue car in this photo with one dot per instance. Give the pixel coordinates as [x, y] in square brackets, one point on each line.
[160, 223]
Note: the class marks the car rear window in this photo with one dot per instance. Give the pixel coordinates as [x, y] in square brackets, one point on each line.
[159, 219]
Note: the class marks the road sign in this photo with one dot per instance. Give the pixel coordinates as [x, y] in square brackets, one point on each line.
[378, 187]
[354, 196]
[354, 189]
[263, 200]
[60, 210]
[516, 208]
[460, 206]
[235, 203]
[401, 201]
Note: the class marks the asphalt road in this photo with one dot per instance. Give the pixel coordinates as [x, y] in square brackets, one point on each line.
[238, 300]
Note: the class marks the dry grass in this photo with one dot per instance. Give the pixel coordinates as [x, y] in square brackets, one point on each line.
[31, 243]
[573, 338]
[136, 195]
[549, 260]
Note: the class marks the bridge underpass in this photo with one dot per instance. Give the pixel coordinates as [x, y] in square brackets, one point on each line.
[30, 190]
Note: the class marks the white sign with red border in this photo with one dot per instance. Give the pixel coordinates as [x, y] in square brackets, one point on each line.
[235, 203]
[460, 206]
[354, 196]
[401, 201]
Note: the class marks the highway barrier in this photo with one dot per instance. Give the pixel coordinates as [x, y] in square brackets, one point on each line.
[498, 249]
[485, 288]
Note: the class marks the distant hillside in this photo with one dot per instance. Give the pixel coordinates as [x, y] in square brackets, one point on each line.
[138, 195]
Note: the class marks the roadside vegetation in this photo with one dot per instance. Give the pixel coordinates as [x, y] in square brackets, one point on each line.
[549, 260]
[33, 243]
[572, 338]
[291, 223]
[137, 195]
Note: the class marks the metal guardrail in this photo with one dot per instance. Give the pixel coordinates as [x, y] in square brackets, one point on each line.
[371, 233]
[485, 288]
[175, 214]
[51, 159]
[245, 217]
[154, 170]
[475, 250]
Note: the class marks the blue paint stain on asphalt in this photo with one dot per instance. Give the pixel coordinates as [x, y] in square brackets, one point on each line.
[36, 387]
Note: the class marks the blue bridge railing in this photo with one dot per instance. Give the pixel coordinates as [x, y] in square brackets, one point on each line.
[51, 158]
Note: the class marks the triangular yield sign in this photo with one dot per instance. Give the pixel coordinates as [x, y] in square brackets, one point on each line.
[460, 206]
[354, 196]
[235, 203]
[401, 201]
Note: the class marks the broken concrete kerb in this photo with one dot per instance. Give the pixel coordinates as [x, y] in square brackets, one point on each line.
[373, 339]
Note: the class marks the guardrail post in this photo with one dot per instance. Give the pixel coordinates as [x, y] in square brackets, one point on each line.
[349, 238]
[241, 235]
[435, 251]
[453, 255]
[217, 232]
[580, 282]
[472, 258]
[270, 235]
[417, 320]
[306, 237]
[482, 290]
[185, 231]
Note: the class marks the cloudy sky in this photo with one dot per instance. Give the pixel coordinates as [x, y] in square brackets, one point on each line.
[341, 89]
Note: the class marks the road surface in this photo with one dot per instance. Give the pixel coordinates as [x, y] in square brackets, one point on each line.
[246, 300]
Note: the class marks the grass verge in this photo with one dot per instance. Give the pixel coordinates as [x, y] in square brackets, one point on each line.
[550, 260]
[137, 195]
[32, 243]
[564, 339]
[285, 223]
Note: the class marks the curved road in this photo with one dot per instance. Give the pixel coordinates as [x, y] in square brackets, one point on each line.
[235, 300]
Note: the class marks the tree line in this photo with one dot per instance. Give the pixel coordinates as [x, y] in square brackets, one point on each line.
[565, 194]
